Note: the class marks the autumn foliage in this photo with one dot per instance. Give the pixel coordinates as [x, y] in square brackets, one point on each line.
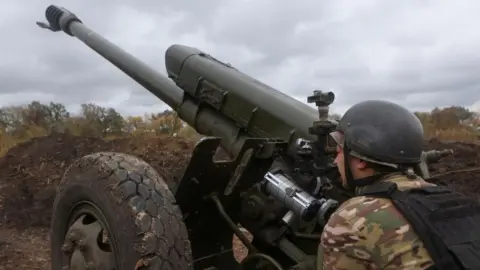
[21, 123]
[451, 123]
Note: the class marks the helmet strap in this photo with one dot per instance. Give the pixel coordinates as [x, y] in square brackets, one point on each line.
[354, 183]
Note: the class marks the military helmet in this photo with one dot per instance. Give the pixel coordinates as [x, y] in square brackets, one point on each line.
[381, 132]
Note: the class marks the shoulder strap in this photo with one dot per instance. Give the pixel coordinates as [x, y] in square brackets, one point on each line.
[447, 222]
[380, 189]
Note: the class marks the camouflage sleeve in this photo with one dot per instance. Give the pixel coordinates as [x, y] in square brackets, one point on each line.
[369, 233]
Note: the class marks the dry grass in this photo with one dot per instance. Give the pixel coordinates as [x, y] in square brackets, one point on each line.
[8, 141]
[461, 134]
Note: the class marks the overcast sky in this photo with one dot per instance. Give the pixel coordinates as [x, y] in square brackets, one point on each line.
[420, 53]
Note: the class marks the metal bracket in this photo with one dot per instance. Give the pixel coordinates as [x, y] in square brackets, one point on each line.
[204, 176]
[203, 179]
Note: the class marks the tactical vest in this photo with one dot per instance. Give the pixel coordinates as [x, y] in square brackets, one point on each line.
[447, 222]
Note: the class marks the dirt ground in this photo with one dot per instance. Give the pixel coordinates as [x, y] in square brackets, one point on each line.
[30, 172]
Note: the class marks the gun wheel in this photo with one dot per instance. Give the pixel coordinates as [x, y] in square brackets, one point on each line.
[113, 211]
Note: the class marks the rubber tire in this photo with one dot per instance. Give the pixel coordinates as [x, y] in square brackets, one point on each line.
[138, 207]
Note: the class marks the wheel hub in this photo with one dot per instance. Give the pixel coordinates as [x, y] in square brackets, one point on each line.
[87, 246]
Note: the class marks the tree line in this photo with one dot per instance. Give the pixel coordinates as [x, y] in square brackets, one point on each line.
[93, 120]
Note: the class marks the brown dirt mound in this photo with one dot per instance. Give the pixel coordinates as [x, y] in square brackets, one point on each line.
[460, 171]
[30, 171]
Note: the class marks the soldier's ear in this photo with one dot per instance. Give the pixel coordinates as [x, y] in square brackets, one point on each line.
[359, 164]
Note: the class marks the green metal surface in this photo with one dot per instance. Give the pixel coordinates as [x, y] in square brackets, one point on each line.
[212, 97]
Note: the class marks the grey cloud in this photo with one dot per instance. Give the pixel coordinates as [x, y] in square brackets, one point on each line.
[420, 53]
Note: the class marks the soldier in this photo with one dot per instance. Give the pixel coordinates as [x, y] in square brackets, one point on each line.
[379, 145]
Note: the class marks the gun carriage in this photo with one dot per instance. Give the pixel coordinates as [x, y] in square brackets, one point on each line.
[280, 182]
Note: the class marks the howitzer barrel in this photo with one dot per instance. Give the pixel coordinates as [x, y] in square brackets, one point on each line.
[162, 87]
[212, 97]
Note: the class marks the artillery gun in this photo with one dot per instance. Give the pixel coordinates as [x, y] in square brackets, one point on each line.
[113, 211]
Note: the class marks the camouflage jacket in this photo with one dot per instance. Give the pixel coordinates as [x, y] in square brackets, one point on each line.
[370, 233]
